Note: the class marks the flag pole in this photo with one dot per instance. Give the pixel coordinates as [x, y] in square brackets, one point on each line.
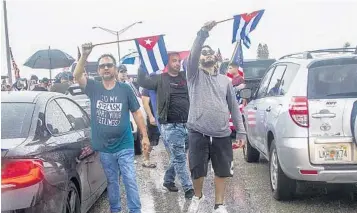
[228, 19]
[113, 42]
[234, 51]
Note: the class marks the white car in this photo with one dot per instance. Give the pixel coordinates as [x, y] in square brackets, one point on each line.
[77, 94]
[302, 120]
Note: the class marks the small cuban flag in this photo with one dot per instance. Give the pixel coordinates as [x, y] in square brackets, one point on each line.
[152, 51]
[244, 24]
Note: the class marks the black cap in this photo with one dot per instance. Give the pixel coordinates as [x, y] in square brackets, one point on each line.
[122, 67]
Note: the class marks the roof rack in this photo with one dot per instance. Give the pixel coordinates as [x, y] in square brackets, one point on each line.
[308, 55]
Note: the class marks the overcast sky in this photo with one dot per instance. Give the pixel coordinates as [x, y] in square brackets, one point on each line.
[287, 26]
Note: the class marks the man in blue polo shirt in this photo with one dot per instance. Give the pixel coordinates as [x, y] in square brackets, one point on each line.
[111, 104]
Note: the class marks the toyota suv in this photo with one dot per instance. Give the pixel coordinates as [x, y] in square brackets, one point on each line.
[302, 119]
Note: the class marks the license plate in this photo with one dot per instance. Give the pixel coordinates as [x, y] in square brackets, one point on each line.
[333, 153]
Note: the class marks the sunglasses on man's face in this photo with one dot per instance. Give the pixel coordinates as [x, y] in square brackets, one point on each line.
[122, 71]
[109, 65]
[207, 52]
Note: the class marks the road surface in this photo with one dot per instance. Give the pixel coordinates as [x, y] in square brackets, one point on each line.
[247, 192]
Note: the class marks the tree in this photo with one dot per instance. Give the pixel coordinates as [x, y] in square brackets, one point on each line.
[265, 51]
[346, 45]
[260, 51]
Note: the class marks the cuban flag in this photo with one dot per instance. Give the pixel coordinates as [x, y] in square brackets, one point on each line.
[244, 24]
[152, 51]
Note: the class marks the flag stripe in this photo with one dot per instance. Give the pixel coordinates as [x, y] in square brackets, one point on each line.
[143, 54]
[152, 59]
[163, 52]
[158, 56]
[256, 20]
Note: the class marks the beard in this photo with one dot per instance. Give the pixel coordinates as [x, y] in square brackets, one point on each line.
[208, 64]
[107, 77]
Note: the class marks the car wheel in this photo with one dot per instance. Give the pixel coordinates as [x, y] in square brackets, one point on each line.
[137, 144]
[73, 203]
[251, 155]
[283, 187]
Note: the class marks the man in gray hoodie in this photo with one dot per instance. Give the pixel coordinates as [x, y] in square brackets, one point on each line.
[212, 99]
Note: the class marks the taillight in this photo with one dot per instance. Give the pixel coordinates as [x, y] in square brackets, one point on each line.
[21, 173]
[299, 111]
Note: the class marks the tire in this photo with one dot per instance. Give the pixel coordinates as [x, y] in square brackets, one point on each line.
[283, 187]
[73, 203]
[137, 144]
[251, 155]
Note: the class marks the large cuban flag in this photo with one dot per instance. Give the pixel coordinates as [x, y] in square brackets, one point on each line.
[152, 53]
[244, 24]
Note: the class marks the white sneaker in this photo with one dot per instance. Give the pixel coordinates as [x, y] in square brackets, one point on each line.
[220, 209]
[195, 204]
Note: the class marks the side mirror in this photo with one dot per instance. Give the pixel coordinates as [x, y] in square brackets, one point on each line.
[245, 93]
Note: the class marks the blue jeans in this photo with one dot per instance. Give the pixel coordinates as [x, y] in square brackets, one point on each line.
[121, 164]
[176, 142]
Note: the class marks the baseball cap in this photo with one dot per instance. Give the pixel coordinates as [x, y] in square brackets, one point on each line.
[123, 68]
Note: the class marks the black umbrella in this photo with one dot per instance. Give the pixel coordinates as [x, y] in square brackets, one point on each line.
[49, 59]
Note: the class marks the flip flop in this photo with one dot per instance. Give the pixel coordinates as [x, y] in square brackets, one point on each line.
[149, 165]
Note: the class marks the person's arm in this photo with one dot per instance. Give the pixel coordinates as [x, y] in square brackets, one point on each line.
[146, 103]
[235, 113]
[78, 73]
[195, 53]
[134, 107]
[146, 81]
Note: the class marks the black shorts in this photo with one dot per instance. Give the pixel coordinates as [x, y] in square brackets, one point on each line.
[154, 134]
[203, 148]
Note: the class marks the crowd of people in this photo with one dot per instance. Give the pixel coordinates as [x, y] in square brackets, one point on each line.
[193, 110]
[60, 84]
[192, 114]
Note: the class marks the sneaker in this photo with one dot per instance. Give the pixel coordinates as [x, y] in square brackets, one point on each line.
[220, 209]
[195, 204]
[171, 187]
[189, 194]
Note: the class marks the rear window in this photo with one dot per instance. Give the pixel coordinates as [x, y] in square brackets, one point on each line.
[16, 119]
[333, 81]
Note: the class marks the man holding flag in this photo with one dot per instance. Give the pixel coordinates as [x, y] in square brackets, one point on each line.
[111, 103]
[212, 98]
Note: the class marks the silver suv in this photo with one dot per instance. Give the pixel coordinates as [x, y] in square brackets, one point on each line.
[302, 119]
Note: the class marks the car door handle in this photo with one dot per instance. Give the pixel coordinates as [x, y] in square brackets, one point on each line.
[268, 109]
[255, 108]
[323, 115]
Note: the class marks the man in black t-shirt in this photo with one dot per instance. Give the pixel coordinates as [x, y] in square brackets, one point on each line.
[172, 109]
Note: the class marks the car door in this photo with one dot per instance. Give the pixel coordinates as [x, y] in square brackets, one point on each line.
[66, 146]
[270, 106]
[80, 122]
[251, 110]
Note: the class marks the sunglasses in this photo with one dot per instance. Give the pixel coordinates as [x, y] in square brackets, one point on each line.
[122, 71]
[109, 65]
[207, 52]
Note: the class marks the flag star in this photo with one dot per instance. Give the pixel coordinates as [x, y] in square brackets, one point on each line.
[148, 41]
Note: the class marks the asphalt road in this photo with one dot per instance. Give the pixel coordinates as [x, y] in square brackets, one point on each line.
[247, 192]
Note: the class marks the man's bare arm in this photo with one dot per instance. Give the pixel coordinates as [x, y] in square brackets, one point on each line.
[146, 103]
[79, 70]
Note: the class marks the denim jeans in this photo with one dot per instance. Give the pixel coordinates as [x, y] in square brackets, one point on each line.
[121, 164]
[175, 139]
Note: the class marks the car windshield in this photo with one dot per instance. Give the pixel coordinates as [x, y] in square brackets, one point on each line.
[335, 81]
[253, 69]
[16, 119]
